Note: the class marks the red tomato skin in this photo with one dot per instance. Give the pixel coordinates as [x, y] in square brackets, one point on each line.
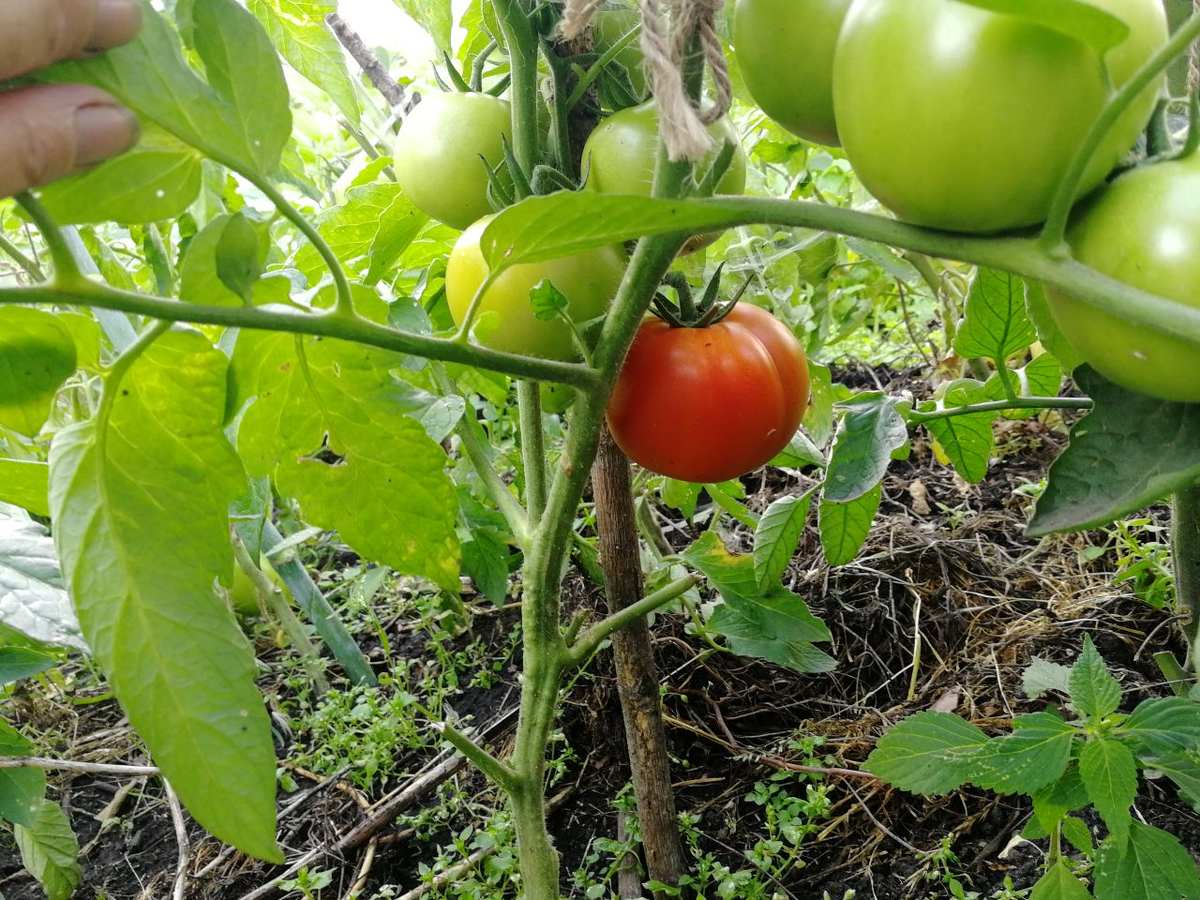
[710, 404]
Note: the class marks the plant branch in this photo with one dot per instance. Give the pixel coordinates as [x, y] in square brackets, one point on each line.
[533, 447]
[1185, 554]
[590, 640]
[1054, 231]
[31, 268]
[392, 90]
[357, 330]
[86, 768]
[489, 765]
[66, 270]
[1003, 406]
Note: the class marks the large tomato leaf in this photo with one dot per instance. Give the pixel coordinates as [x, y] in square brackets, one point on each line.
[1129, 452]
[298, 29]
[870, 432]
[381, 481]
[996, 324]
[37, 354]
[778, 536]
[844, 526]
[1086, 22]
[50, 850]
[32, 599]
[243, 117]
[141, 514]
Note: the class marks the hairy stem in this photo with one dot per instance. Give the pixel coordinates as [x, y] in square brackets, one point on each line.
[533, 447]
[1185, 553]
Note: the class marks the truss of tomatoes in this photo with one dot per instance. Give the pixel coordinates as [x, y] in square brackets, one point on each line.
[710, 399]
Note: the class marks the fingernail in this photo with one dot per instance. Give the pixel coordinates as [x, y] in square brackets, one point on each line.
[102, 132]
[117, 22]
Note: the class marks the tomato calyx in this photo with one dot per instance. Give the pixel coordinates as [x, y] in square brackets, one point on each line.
[685, 311]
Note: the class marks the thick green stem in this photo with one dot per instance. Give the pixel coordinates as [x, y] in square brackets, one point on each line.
[533, 447]
[1068, 191]
[354, 329]
[32, 269]
[1185, 552]
[1003, 406]
[66, 270]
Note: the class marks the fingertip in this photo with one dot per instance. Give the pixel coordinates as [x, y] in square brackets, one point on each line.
[117, 22]
[103, 131]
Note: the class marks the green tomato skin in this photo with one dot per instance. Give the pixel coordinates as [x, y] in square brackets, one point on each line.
[959, 118]
[621, 153]
[613, 24]
[785, 51]
[1143, 230]
[589, 280]
[438, 165]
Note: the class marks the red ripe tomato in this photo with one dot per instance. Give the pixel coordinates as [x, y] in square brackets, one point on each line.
[710, 404]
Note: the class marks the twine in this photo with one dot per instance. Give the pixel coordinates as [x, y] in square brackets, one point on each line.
[665, 40]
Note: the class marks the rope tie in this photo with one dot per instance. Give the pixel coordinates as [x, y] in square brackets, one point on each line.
[665, 39]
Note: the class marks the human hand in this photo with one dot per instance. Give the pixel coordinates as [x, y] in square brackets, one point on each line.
[52, 131]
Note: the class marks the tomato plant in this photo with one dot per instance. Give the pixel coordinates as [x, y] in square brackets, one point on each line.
[1143, 230]
[710, 403]
[785, 52]
[588, 280]
[960, 118]
[438, 154]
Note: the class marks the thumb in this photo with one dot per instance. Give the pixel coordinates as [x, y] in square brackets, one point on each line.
[54, 131]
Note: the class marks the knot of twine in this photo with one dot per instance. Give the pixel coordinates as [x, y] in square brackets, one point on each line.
[665, 40]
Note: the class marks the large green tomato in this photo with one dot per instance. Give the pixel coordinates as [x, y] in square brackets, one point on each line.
[621, 153]
[960, 118]
[785, 54]
[588, 280]
[1143, 230]
[613, 24]
[438, 152]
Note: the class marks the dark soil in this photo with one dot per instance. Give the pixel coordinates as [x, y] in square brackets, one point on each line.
[989, 601]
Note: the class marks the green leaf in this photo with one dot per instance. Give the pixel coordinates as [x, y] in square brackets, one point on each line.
[1048, 331]
[37, 354]
[1041, 377]
[844, 526]
[1059, 884]
[243, 67]
[32, 599]
[996, 324]
[1086, 22]
[1044, 676]
[21, 662]
[749, 638]
[217, 270]
[377, 224]
[818, 421]
[968, 441]
[547, 301]
[21, 790]
[1182, 769]
[1033, 756]
[1093, 689]
[776, 610]
[141, 511]
[1162, 726]
[778, 536]
[385, 488]
[155, 181]
[929, 753]
[435, 16]
[800, 453]
[870, 432]
[485, 561]
[1110, 776]
[50, 851]
[25, 484]
[1079, 836]
[1128, 453]
[238, 265]
[1052, 802]
[1152, 866]
[297, 28]
[149, 76]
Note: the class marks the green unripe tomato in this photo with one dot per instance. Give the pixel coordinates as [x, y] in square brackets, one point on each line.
[785, 54]
[438, 152]
[1143, 230]
[621, 153]
[243, 595]
[961, 118]
[613, 24]
[589, 280]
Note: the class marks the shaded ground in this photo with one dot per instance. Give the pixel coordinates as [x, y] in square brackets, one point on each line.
[945, 557]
